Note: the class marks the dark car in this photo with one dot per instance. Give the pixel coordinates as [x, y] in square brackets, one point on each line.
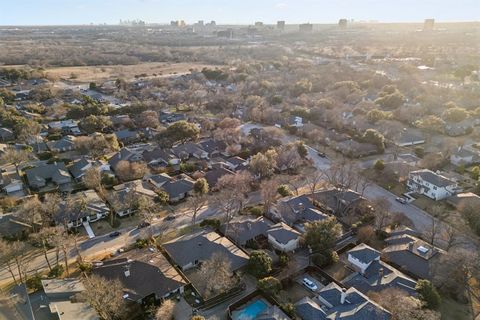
[170, 217]
[143, 225]
[322, 155]
[401, 200]
[114, 234]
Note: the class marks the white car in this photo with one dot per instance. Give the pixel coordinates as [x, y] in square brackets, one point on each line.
[309, 284]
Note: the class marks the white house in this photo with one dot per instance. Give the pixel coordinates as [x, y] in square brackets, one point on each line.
[283, 238]
[431, 184]
[362, 256]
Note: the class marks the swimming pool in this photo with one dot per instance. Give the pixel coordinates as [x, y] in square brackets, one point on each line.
[251, 311]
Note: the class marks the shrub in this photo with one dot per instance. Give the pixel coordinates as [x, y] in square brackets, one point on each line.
[256, 211]
[141, 243]
[269, 285]
[214, 223]
[325, 259]
[85, 267]
[56, 271]
[35, 282]
[419, 152]
[428, 294]
[379, 165]
[284, 191]
[284, 259]
[289, 309]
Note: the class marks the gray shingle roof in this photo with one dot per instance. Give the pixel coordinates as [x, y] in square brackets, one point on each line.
[364, 253]
[283, 233]
[201, 246]
[149, 273]
[242, 231]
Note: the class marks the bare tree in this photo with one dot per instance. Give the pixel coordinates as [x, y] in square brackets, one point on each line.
[268, 191]
[437, 215]
[382, 212]
[195, 203]
[105, 296]
[314, 180]
[30, 212]
[219, 273]
[128, 171]
[17, 157]
[50, 207]
[147, 210]
[402, 306]
[44, 238]
[7, 253]
[62, 242]
[165, 311]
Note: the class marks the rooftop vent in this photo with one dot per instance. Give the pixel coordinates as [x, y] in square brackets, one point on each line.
[422, 249]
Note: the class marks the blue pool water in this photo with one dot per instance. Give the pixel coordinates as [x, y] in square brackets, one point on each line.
[251, 311]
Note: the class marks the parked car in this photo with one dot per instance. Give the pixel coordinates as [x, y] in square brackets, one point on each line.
[170, 217]
[309, 284]
[401, 200]
[143, 225]
[114, 234]
[322, 155]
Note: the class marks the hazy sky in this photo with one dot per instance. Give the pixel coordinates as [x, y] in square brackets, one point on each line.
[33, 12]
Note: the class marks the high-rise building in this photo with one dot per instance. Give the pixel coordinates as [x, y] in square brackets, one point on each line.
[258, 24]
[342, 23]
[428, 24]
[305, 27]
[281, 25]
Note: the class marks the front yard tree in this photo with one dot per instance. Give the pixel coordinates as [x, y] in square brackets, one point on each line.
[262, 166]
[260, 263]
[268, 191]
[321, 236]
[302, 150]
[182, 131]
[201, 186]
[374, 137]
[381, 211]
[16, 157]
[105, 296]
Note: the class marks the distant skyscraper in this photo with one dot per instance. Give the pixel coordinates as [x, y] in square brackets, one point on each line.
[342, 23]
[258, 24]
[305, 27]
[281, 25]
[428, 24]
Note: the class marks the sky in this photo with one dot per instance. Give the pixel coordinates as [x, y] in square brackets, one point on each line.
[66, 12]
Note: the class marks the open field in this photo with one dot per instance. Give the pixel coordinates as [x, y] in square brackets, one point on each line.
[128, 72]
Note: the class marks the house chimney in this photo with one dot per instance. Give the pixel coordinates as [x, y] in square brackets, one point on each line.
[410, 246]
[343, 296]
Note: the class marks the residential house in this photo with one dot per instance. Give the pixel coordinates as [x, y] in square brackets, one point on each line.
[178, 189]
[40, 176]
[80, 167]
[65, 126]
[461, 200]
[411, 254]
[213, 147]
[159, 158]
[236, 163]
[63, 304]
[6, 135]
[410, 137]
[190, 250]
[464, 157]
[127, 136]
[431, 184]
[212, 176]
[339, 201]
[64, 144]
[187, 150]
[296, 211]
[283, 238]
[336, 303]
[143, 274]
[372, 274]
[11, 182]
[94, 209]
[121, 195]
[244, 230]
[125, 154]
[171, 117]
[455, 129]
